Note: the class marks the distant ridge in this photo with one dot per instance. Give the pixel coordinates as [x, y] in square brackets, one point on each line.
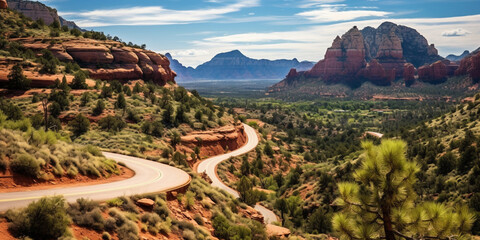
[458, 58]
[235, 65]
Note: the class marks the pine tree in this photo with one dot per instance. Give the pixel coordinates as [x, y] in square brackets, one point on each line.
[382, 204]
[79, 81]
[16, 79]
[121, 102]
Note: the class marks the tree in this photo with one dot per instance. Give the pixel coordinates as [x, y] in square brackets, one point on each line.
[79, 80]
[281, 204]
[175, 139]
[121, 102]
[112, 123]
[80, 125]
[245, 167]
[319, 222]
[446, 163]
[382, 204]
[16, 79]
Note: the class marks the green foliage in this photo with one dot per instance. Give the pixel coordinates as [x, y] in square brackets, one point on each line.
[112, 123]
[44, 219]
[25, 164]
[79, 80]
[11, 111]
[121, 102]
[49, 62]
[99, 107]
[382, 201]
[16, 79]
[80, 125]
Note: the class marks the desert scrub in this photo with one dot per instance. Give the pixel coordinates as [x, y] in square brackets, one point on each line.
[87, 213]
[44, 219]
[36, 152]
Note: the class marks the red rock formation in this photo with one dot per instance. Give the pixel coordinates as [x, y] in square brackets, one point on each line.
[409, 74]
[105, 60]
[434, 73]
[390, 54]
[122, 55]
[375, 73]
[3, 4]
[216, 142]
[470, 65]
[91, 54]
[343, 60]
[292, 74]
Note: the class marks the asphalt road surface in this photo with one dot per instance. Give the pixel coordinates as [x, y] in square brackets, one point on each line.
[210, 167]
[150, 177]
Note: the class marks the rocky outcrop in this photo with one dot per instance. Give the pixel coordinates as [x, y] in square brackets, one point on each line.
[109, 60]
[470, 65]
[376, 74]
[3, 4]
[37, 10]
[433, 73]
[415, 47]
[386, 49]
[343, 60]
[409, 74]
[217, 141]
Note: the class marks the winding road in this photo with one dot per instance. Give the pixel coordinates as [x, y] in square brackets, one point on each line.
[209, 166]
[150, 177]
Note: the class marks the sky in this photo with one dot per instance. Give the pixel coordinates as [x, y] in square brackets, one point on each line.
[194, 31]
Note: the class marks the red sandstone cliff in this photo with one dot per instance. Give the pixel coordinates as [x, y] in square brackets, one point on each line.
[470, 65]
[3, 4]
[109, 60]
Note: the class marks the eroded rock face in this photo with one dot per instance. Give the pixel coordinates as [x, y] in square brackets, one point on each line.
[375, 73]
[107, 60]
[433, 73]
[35, 10]
[343, 60]
[409, 74]
[3, 4]
[470, 65]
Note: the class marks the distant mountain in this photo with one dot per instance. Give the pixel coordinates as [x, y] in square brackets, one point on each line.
[38, 10]
[455, 58]
[235, 65]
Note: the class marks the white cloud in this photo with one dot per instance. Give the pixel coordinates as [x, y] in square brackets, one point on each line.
[455, 33]
[311, 43]
[153, 15]
[335, 13]
[313, 3]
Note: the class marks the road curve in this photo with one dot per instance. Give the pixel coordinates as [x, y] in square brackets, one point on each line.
[150, 177]
[209, 166]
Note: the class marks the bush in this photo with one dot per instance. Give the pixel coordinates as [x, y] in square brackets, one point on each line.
[112, 123]
[44, 219]
[80, 125]
[128, 231]
[106, 236]
[25, 164]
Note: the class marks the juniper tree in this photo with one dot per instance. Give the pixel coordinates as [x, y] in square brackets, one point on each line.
[16, 79]
[382, 204]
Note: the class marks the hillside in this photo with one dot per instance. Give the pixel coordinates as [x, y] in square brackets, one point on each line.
[234, 65]
[391, 55]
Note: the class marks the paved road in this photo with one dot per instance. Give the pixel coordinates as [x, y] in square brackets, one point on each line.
[210, 167]
[150, 177]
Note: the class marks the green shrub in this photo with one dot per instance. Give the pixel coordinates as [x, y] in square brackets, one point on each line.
[80, 125]
[112, 123]
[99, 108]
[25, 164]
[44, 219]
[106, 236]
[128, 231]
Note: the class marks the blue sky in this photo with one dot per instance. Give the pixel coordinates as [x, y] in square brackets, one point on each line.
[194, 31]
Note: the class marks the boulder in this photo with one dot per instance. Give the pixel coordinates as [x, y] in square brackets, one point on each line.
[60, 53]
[409, 74]
[3, 4]
[145, 202]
